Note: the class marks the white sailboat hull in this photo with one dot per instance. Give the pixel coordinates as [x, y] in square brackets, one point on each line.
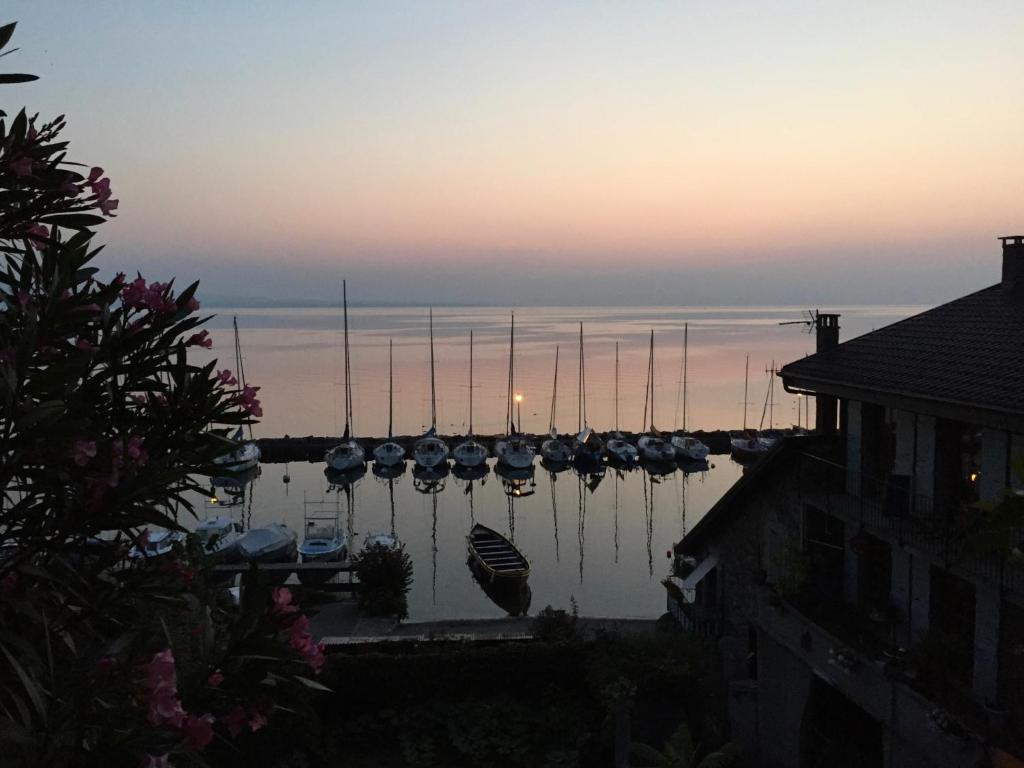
[242, 459]
[515, 453]
[389, 454]
[655, 449]
[689, 448]
[346, 455]
[556, 450]
[430, 452]
[470, 454]
[623, 452]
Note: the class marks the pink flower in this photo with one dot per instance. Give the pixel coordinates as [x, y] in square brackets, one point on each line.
[37, 235]
[192, 304]
[226, 378]
[24, 299]
[69, 188]
[315, 656]
[142, 540]
[95, 174]
[282, 602]
[139, 399]
[247, 400]
[235, 721]
[105, 664]
[152, 761]
[198, 731]
[257, 720]
[22, 166]
[133, 294]
[100, 188]
[83, 451]
[86, 346]
[215, 679]
[135, 450]
[201, 339]
[163, 706]
[9, 583]
[106, 206]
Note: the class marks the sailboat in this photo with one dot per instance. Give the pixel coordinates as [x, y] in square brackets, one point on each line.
[470, 453]
[554, 450]
[747, 445]
[348, 454]
[431, 451]
[588, 448]
[653, 447]
[247, 454]
[687, 447]
[390, 453]
[619, 449]
[514, 450]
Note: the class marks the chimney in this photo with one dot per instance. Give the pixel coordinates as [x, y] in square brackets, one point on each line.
[827, 327]
[1013, 265]
[825, 407]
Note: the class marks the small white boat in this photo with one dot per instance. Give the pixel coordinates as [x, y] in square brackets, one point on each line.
[554, 450]
[622, 451]
[430, 451]
[749, 446]
[514, 451]
[155, 544]
[324, 543]
[588, 449]
[655, 448]
[243, 458]
[689, 448]
[348, 454]
[274, 543]
[470, 452]
[220, 536]
[379, 540]
[389, 453]
[652, 446]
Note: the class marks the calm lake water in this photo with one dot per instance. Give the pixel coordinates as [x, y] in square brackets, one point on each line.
[603, 543]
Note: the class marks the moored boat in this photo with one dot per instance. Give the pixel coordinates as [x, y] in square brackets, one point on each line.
[495, 556]
[273, 543]
[389, 453]
[219, 537]
[554, 450]
[152, 544]
[348, 454]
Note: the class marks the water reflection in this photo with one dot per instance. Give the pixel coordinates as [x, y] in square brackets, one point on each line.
[623, 519]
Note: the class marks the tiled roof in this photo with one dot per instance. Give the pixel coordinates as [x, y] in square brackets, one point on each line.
[969, 351]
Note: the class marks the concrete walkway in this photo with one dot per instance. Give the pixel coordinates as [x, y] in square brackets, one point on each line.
[340, 624]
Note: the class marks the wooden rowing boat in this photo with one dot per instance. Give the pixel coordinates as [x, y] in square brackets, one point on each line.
[496, 556]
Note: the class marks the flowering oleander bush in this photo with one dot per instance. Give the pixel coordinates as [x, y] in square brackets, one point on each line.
[107, 428]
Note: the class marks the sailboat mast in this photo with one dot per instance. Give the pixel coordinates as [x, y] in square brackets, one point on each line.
[433, 391]
[349, 426]
[391, 386]
[616, 386]
[511, 354]
[471, 382]
[746, 383]
[651, 378]
[554, 394]
[647, 386]
[686, 349]
[582, 399]
[239, 365]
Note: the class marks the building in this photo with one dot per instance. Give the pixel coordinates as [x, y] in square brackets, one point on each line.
[866, 584]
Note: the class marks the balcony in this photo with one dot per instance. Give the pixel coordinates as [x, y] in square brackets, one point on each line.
[887, 507]
[875, 681]
[694, 618]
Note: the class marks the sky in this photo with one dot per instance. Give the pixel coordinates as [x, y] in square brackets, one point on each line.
[544, 153]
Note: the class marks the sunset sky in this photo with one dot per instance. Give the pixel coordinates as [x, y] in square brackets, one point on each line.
[517, 152]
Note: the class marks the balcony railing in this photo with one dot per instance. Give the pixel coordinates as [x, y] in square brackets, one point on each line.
[890, 506]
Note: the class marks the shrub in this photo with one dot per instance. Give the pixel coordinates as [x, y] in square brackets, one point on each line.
[385, 575]
[555, 625]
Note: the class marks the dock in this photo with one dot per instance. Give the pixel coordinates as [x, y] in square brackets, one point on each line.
[283, 570]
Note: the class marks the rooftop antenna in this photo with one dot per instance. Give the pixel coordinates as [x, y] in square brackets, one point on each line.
[810, 321]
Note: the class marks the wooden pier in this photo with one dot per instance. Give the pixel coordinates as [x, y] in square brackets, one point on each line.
[284, 570]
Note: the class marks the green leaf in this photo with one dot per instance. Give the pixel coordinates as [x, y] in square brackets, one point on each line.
[27, 682]
[73, 220]
[312, 684]
[12, 78]
[6, 31]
